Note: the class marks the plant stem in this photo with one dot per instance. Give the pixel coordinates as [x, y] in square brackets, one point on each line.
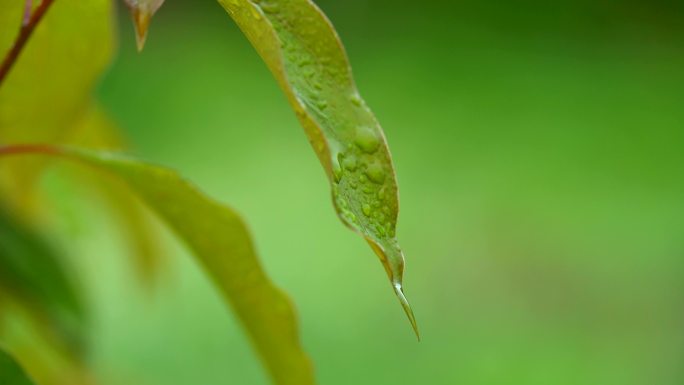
[25, 32]
[29, 149]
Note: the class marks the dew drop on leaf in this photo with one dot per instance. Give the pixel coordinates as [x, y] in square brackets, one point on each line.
[367, 139]
[366, 209]
[375, 173]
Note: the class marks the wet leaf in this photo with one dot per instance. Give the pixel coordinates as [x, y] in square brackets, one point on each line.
[221, 242]
[10, 371]
[50, 85]
[142, 12]
[304, 53]
[33, 275]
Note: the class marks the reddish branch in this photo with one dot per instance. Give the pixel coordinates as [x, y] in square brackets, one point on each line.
[19, 149]
[27, 27]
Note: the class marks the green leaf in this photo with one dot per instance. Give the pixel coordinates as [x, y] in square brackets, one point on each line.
[10, 371]
[34, 276]
[220, 241]
[304, 53]
[95, 130]
[50, 85]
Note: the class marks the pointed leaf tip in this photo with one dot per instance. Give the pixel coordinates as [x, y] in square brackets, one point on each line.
[392, 259]
[141, 22]
[407, 308]
[142, 12]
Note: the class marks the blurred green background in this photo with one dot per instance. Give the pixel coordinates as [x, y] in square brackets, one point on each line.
[539, 148]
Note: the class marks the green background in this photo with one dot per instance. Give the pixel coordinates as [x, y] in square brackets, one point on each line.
[539, 148]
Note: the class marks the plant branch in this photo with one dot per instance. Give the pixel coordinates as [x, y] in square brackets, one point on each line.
[19, 149]
[25, 32]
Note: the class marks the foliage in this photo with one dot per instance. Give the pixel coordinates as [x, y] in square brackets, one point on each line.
[304, 53]
[10, 371]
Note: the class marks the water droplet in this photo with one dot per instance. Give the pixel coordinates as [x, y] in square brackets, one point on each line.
[342, 203]
[381, 194]
[390, 229]
[337, 171]
[349, 162]
[322, 104]
[366, 209]
[366, 139]
[375, 172]
[356, 100]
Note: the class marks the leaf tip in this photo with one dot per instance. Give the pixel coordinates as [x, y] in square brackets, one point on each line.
[398, 289]
[141, 22]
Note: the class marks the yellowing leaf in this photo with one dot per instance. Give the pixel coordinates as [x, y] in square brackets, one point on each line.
[10, 371]
[142, 12]
[220, 241]
[49, 86]
[304, 53]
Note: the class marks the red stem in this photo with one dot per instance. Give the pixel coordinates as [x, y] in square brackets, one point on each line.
[24, 34]
[19, 149]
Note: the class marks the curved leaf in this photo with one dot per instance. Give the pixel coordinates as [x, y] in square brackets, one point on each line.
[304, 53]
[221, 242]
[10, 371]
[95, 130]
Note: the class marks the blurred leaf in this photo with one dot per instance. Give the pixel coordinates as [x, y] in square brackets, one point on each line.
[142, 12]
[10, 371]
[219, 239]
[47, 363]
[304, 53]
[33, 275]
[95, 130]
[50, 85]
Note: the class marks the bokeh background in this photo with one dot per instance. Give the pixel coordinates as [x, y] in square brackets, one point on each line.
[539, 148]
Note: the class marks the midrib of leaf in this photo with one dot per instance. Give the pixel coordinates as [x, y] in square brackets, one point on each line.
[304, 53]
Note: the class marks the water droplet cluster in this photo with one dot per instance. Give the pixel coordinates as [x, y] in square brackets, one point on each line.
[362, 188]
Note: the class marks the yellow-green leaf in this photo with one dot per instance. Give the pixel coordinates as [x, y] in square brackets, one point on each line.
[304, 53]
[10, 371]
[221, 242]
[50, 85]
[95, 130]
